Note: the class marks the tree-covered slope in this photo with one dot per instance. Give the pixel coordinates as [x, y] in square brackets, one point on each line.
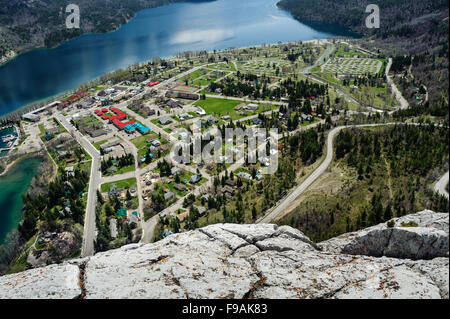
[26, 24]
[351, 13]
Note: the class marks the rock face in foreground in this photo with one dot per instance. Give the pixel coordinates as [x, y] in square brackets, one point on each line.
[417, 236]
[239, 261]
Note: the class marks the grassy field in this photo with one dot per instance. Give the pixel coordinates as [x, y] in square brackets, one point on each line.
[41, 129]
[193, 75]
[60, 126]
[344, 50]
[141, 141]
[220, 107]
[217, 105]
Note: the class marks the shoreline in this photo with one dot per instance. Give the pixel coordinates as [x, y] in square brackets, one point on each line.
[8, 57]
[46, 100]
[8, 167]
[57, 96]
[18, 160]
[4, 60]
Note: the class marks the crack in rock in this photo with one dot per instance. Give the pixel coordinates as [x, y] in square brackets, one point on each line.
[151, 262]
[82, 267]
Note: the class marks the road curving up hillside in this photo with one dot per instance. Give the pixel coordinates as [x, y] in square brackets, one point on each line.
[441, 185]
[286, 202]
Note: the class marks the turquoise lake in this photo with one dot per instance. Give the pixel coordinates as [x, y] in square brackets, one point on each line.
[13, 185]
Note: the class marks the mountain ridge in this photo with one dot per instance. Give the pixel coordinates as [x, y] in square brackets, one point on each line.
[30, 24]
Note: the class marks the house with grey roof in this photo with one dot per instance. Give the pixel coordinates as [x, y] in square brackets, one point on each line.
[256, 121]
[165, 120]
[195, 179]
[252, 107]
[175, 170]
[156, 143]
[70, 171]
[201, 210]
[132, 220]
[244, 175]
[169, 196]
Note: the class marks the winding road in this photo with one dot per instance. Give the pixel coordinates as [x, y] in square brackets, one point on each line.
[441, 184]
[398, 95]
[297, 191]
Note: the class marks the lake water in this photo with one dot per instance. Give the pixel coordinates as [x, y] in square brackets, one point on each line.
[162, 31]
[13, 185]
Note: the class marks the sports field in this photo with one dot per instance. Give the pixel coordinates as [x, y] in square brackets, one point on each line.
[185, 88]
[218, 106]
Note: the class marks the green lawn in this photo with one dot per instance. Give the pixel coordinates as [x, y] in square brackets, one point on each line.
[203, 82]
[193, 75]
[141, 141]
[41, 129]
[97, 144]
[125, 183]
[60, 126]
[219, 106]
[344, 50]
[123, 170]
[316, 119]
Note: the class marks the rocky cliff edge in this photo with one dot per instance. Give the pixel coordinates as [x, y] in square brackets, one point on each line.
[406, 259]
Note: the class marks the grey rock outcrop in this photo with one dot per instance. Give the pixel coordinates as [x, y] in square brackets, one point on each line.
[233, 261]
[423, 235]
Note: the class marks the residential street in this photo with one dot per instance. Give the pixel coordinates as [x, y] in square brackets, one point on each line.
[87, 248]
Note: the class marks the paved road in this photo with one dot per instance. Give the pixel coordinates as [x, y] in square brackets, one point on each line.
[87, 248]
[441, 184]
[286, 202]
[398, 95]
[323, 57]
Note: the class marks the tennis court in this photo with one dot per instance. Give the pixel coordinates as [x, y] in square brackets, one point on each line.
[185, 88]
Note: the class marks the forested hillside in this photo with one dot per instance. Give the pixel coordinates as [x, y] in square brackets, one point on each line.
[351, 13]
[383, 172]
[26, 24]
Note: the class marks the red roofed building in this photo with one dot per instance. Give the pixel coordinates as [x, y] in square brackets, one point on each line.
[153, 83]
[80, 93]
[121, 125]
